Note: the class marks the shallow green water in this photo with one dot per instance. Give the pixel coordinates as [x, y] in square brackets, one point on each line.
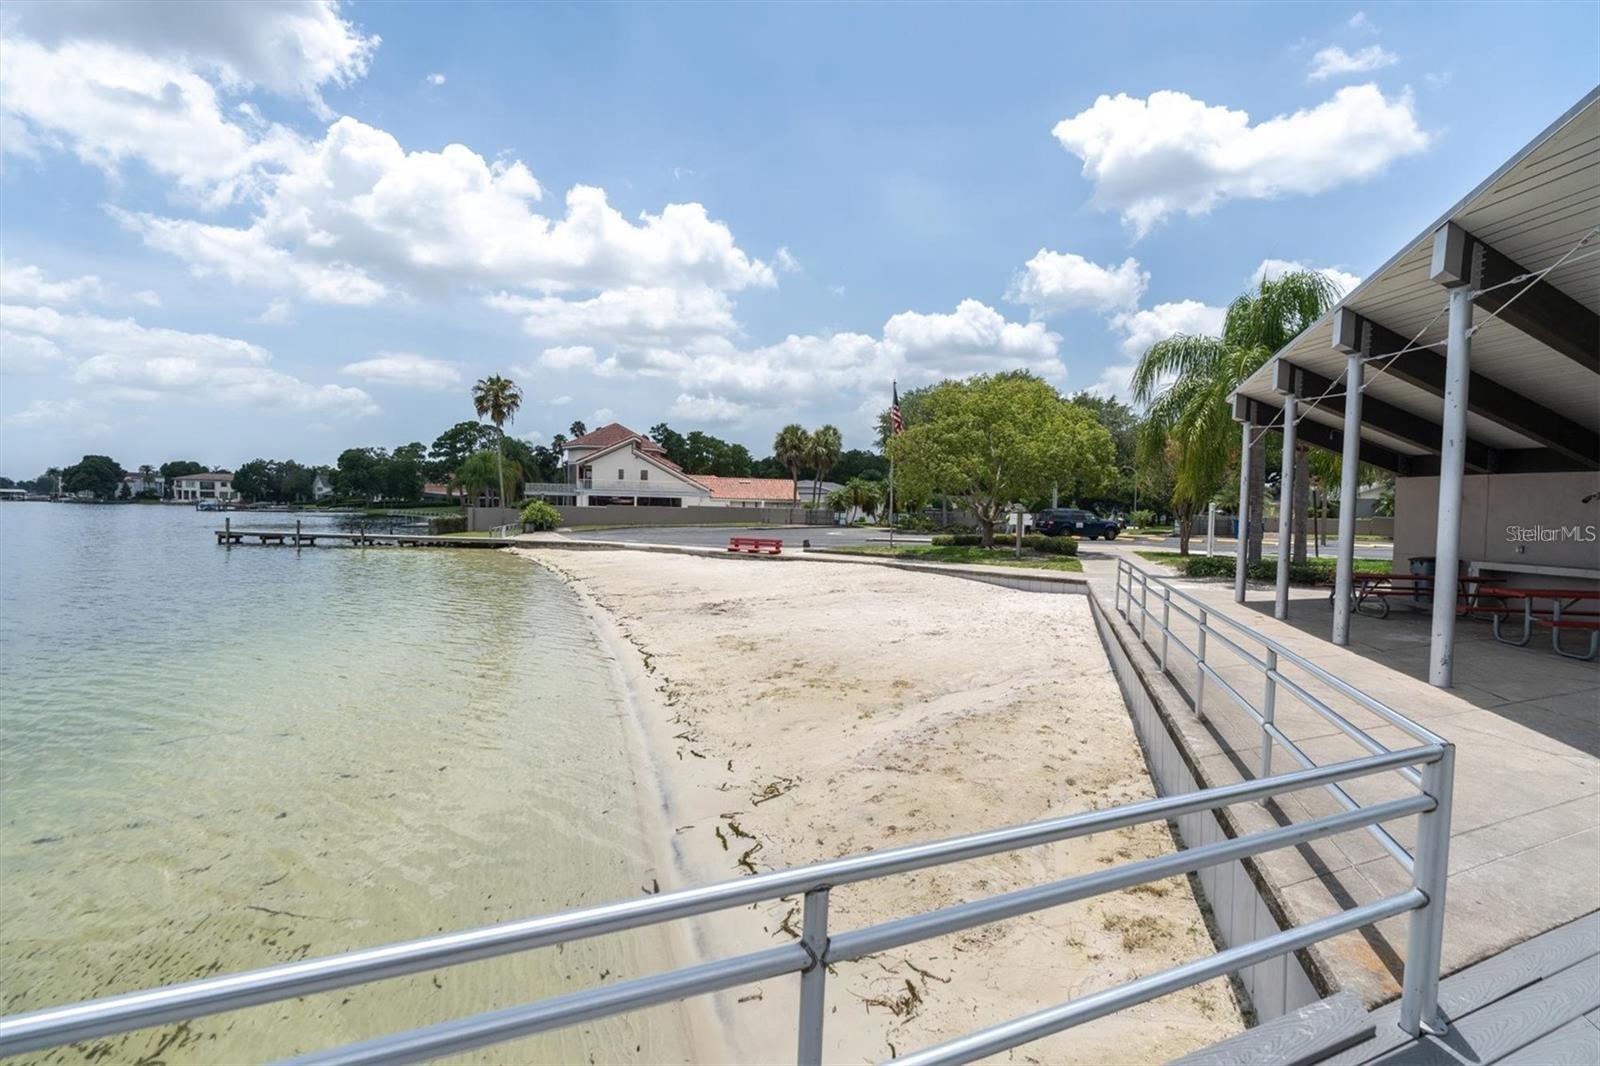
[217, 759]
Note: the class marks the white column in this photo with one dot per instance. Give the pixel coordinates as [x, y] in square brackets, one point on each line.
[1240, 565]
[1211, 529]
[1291, 412]
[1349, 486]
[1452, 457]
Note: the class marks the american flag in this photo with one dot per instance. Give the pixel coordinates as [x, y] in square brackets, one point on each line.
[896, 425]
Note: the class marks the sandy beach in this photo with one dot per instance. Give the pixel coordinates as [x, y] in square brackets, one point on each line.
[799, 711]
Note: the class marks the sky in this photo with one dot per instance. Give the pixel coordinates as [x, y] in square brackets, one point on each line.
[261, 229]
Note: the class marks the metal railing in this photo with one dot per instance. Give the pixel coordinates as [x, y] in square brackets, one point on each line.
[1135, 587]
[1428, 767]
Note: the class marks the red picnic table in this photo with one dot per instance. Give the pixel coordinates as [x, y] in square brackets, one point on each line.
[1563, 613]
[1370, 593]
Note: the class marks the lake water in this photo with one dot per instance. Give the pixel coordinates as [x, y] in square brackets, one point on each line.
[220, 759]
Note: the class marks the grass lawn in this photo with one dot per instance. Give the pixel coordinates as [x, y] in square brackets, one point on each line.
[967, 555]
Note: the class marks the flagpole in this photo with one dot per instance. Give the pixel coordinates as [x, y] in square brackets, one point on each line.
[891, 501]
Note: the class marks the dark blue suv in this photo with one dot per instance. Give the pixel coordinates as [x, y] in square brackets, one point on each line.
[1072, 523]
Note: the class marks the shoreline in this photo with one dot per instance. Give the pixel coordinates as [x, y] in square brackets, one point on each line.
[792, 714]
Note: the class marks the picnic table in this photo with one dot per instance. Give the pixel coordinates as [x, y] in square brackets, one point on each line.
[1563, 613]
[1370, 593]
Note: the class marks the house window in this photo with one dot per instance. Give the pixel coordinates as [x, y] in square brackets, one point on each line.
[622, 475]
[644, 475]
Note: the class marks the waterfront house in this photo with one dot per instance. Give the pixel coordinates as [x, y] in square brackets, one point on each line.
[614, 465]
[137, 484]
[321, 486]
[214, 485]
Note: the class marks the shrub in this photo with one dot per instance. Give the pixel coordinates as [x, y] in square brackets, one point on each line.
[1050, 545]
[958, 540]
[1143, 517]
[915, 523]
[447, 523]
[1306, 573]
[540, 516]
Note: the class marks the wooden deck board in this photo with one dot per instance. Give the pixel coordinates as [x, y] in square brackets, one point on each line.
[1577, 1043]
[1508, 1025]
[1304, 1036]
[1486, 982]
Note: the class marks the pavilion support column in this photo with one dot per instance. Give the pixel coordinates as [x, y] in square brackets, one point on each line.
[1452, 469]
[1241, 552]
[1291, 412]
[1349, 486]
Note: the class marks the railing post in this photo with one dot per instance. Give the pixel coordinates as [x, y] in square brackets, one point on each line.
[1269, 701]
[1419, 1001]
[1144, 605]
[1200, 666]
[1166, 623]
[813, 980]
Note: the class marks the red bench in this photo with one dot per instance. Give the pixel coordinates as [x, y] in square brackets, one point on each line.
[1558, 616]
[755, 545]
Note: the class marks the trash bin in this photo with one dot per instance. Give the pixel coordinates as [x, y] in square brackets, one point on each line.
[1423, 566]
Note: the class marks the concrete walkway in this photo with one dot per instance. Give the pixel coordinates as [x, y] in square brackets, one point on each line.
[1525, 847]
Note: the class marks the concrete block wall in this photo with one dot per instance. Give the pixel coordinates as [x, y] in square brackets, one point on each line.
[1497, 509]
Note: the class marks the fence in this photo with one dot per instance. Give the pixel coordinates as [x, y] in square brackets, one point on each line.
[1428, 767]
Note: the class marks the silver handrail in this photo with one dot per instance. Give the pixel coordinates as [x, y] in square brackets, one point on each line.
[816, 950]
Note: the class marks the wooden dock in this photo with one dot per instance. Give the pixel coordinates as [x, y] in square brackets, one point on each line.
[311, 538]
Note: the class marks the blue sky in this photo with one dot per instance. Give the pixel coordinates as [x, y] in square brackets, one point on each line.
[285, 229]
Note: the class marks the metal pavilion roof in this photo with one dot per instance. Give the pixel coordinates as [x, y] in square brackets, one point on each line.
[1535, 402]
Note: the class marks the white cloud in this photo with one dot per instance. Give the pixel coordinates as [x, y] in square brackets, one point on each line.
[1334, 61]
[709, 409]
[293, 49]
[358, 203]
[974, 339]
[109, 106]
[602, 416]
[27, 353]
[247, 257]
[1143, 328]
[120, 358]
[1272, 269]
[578, 357]
[1051, 282]
[436, 79]
[1360, 21]
[1150, 158]
[559, 401]
[785, 262]
[40, 413]
[406, 370]
[26, 283]
[633, 315]
[276, 313]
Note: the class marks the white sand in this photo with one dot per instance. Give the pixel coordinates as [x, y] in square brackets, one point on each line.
[803, 711]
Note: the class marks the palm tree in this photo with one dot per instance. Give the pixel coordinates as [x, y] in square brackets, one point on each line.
[826, 445]
[792, 448]
[498, 398]
[480, 471]
[147, 477]
[1185, 380]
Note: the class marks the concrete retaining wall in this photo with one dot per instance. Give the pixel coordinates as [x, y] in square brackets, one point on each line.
[1239, 913]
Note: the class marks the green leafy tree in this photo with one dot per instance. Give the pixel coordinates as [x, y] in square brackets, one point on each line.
[856, 496]
[1186, 380]
[826, 444]
[170, 471]
[539, 516]
[451, 448]
[672, 442]
[860, 463]
[991, 441]
[360, 472]
[257, 480]
[498, 399]
[97, 474]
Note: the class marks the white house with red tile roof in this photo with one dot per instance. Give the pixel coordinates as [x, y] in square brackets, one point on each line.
[614, 465]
